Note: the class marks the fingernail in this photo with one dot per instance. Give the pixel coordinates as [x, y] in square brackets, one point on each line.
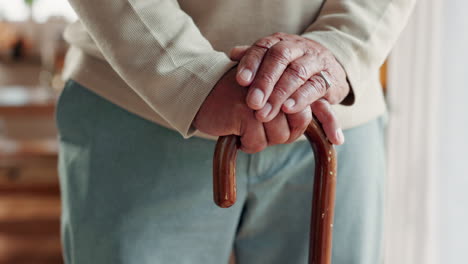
[265, 111]
[246, 75]
[256, 97]
[289, 103]
[340, 136]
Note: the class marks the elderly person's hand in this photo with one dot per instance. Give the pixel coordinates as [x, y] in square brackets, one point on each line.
[283, 72]
[224, 112]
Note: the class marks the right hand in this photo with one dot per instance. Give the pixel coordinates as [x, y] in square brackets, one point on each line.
[224, 112]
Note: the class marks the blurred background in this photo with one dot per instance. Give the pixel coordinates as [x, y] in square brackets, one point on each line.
[31, 57]
[425, 84]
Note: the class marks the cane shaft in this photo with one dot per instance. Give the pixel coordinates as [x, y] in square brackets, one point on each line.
[323, 198]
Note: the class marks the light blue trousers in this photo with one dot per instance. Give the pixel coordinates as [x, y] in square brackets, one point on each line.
[134, 192]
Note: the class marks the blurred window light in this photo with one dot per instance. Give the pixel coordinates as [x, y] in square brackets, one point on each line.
[17, 10]
[13, 10]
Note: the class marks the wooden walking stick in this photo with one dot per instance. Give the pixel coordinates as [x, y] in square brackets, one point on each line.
[323, 198]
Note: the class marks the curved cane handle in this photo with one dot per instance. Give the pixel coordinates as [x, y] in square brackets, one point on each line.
[323, 198]
[224, 171]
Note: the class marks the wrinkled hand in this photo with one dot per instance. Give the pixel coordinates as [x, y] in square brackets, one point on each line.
[224, 112]
[282, 70]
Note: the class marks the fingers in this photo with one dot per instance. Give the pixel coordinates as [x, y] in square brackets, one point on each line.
[294, 76]
[278, 69]
[252, 59]
[271, 69]
[253, 138]
[339, 83]
[298, 123]
[324, 113]
[287, 128]
[277, 130]
[257, 136]
[312, 90]
[238, 52]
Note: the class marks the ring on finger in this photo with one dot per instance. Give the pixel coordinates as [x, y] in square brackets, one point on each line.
[323, 75]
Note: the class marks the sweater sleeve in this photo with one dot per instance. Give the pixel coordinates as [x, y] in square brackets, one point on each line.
[360, 33]
[157, 49]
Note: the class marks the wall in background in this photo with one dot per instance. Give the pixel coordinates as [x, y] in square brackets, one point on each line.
[413, 94]
[428, 129]
[453, 135]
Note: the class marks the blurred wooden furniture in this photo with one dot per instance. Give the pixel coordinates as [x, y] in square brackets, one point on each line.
[29, 192]
[27, 112]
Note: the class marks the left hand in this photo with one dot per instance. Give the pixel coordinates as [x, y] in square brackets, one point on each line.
[281, 71]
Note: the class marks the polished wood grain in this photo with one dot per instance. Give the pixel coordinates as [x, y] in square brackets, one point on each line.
[323, 199]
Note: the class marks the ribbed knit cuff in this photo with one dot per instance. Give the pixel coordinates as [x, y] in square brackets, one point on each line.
[203, 80]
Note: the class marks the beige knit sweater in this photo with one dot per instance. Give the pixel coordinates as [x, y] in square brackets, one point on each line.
[160, 58]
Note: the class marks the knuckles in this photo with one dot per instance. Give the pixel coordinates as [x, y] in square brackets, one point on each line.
[318, 84]
[252, 59]
[300, 123]
[278, 93]
[299, 70]
[267, 78]
[267, 42]
[283, 138]
[280, 137]
[323, 111]
[264, 43]
[279, 35]
[281, 54]
[303, 95]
